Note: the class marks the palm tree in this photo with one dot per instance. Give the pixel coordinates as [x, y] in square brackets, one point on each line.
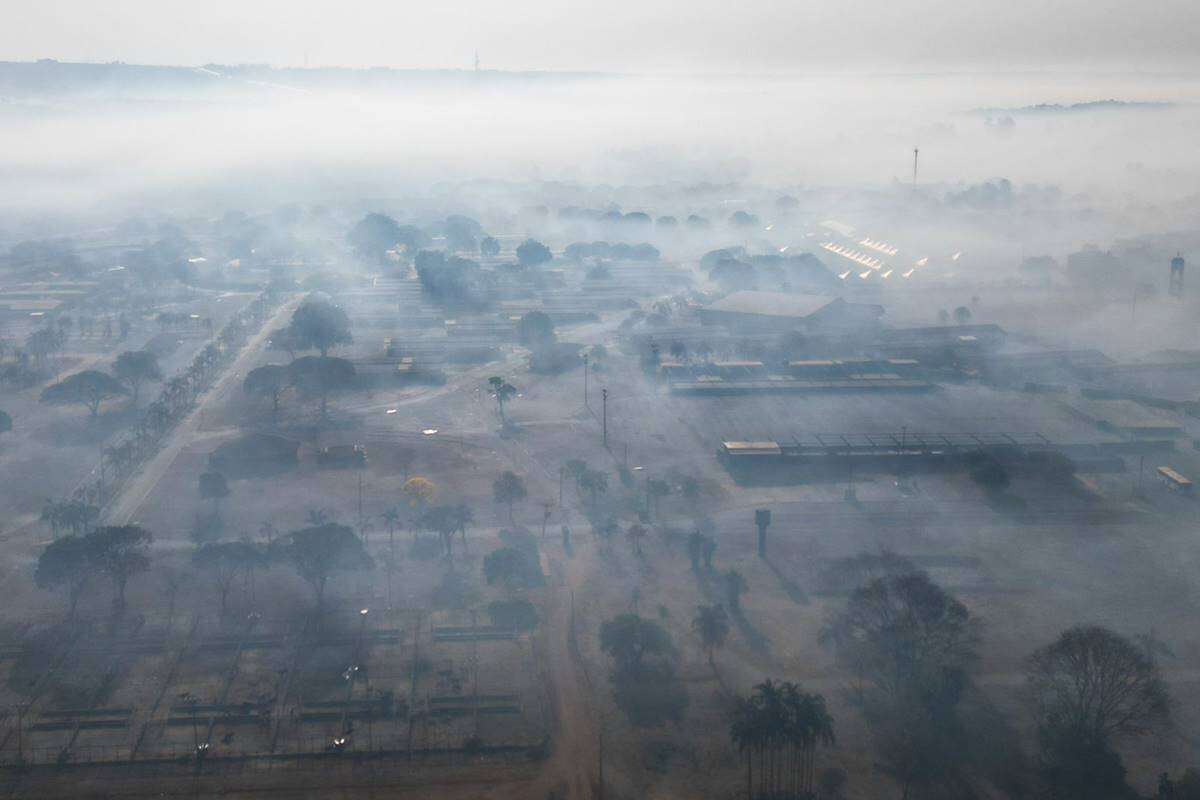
[503, 391]
[463, 516]
[747, 735]
[391, 519]
[711, 624]
[782, 726]
[636, 533]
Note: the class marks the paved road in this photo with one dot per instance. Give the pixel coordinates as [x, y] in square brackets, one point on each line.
[125, 507]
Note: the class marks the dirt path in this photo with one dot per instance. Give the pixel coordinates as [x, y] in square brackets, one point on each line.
[133, 496]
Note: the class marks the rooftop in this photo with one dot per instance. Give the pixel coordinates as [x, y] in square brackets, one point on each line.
[772, 304]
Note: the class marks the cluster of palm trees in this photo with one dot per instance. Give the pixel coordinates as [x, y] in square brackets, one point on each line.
[446, 520]
[177, 397]
[75, 515]
[779, 728]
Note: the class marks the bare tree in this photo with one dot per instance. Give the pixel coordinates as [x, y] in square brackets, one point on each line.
[1096, 683]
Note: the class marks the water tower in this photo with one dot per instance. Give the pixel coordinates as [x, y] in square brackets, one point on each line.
[1175, 289]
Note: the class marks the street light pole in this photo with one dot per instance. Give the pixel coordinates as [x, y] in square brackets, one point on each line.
[585, 380]
[604, 394]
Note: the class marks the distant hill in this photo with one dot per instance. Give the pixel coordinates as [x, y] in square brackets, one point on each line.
[48, 78]
[1076, 108]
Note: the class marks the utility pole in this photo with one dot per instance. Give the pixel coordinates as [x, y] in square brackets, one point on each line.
[585, 380]
[604, 394]
[360, 499]
[916, 152]
[601, 776]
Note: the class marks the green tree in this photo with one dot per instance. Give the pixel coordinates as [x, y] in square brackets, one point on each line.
[910, 645]
[489, 247]
[780, 726]
[502, 391]
[121, 552]
[532, 253]
[270, 381]
[319, 324]
[214, 487]
[136, 367]
[636, 534]
[375, 234]
[5, 422]
[513, 567]
[735, 587]
[445, 521]
[318, 552]
[594, 483]
[507, 489]
[67, 564]
[711, 624]
[630, 640]
[535, 330]
[656, 489]
[322, 376]
[224, 562]
[645, 684]
[89, 387]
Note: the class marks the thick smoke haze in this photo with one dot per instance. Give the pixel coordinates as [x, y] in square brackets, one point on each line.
[617, 36]
[83, 150]
[556, 401]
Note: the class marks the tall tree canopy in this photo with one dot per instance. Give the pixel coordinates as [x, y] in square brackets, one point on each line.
[508, 489]
[270, 381]
[89, 388]
[66, 563]
[321, 376]
[780, 726]
[316, 553]
[121, 552]
[375, 234]
[532, 253]
[136, 367]
[911, 645]
[319, 324]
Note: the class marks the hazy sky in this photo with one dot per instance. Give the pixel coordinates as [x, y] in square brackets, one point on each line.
[615, 35]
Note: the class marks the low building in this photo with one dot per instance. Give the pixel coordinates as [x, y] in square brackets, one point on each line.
[784, 312]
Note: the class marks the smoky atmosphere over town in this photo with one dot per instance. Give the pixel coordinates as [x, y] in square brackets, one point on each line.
[632, 401]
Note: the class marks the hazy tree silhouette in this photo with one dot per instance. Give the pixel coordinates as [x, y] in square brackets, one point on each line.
[268, 381]
[502, 391]
[1089, 688]
[319, 324]
[66, 564]
[780, 727]
[88, 388]
[224, 562]
[121, 552]
[318, 552]
[136, 367]
[711, 624]
[910, 646]
[735, 587]
[508, 489]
